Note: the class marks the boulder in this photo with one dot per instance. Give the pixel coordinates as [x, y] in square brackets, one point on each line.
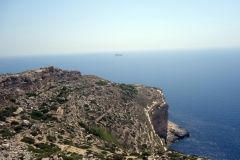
[26, 123]
[5, 146]
[19, 110]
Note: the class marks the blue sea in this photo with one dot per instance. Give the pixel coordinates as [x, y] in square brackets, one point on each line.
[202, 88]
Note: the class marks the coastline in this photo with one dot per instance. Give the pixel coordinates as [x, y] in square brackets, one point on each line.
[175, 133]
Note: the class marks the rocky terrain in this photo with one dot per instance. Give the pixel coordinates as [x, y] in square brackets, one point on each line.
[57, 114]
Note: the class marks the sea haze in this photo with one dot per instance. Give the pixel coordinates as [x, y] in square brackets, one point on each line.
[202, 88]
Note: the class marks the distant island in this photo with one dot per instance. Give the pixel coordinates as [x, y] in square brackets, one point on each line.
[118, 54]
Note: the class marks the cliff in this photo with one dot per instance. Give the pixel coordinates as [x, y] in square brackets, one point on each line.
[68, 112]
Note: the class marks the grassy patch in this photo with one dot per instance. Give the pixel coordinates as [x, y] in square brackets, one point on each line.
[101, 83]
[128, 87]
[28, 140]
[104, 135]
[82, 146]
[44, 149]
[6, 133]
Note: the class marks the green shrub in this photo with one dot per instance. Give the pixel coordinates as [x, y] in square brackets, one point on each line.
[53, 108]
[144, 146]
[101, 83]
[37, 115]
[128, 87]
[31, 94]
[61, 100]
[34, 133]
[43, 109]
[14, 123]
[67, 142]
[146, 154]
[2, 118]
[83, 146]
[83, 125]
[118, 157]
[62, 132]
[18, 129]
[28, 140]
[73, 156]
[44, 149]
[104, 152]
[6, 133]
[23, 117]
[60, 137]
[7, 112]
[51, 138]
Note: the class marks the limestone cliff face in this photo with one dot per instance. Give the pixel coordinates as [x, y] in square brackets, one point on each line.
[156, 109]
[159, 116]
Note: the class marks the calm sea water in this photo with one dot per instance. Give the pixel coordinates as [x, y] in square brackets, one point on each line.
[202, 88]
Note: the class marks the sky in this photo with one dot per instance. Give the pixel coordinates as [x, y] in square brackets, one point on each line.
[30, 27]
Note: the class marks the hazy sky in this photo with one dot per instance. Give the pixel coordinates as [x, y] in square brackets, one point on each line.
[55, 26]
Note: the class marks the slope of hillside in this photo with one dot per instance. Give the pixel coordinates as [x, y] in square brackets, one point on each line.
[61, 114]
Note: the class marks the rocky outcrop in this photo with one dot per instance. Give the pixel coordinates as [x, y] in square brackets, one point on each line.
[175, 132]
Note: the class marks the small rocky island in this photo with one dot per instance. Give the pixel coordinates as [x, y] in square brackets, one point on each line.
[57, 114]
[118, 55]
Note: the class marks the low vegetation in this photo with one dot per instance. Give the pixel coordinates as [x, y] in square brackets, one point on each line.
[44, 149]
[101, 83]
[7, 112]
[51, 138]
[6, 133]
[38, 115]
[31, 94]
[104, 135]
[28, 140]
[128, 87]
